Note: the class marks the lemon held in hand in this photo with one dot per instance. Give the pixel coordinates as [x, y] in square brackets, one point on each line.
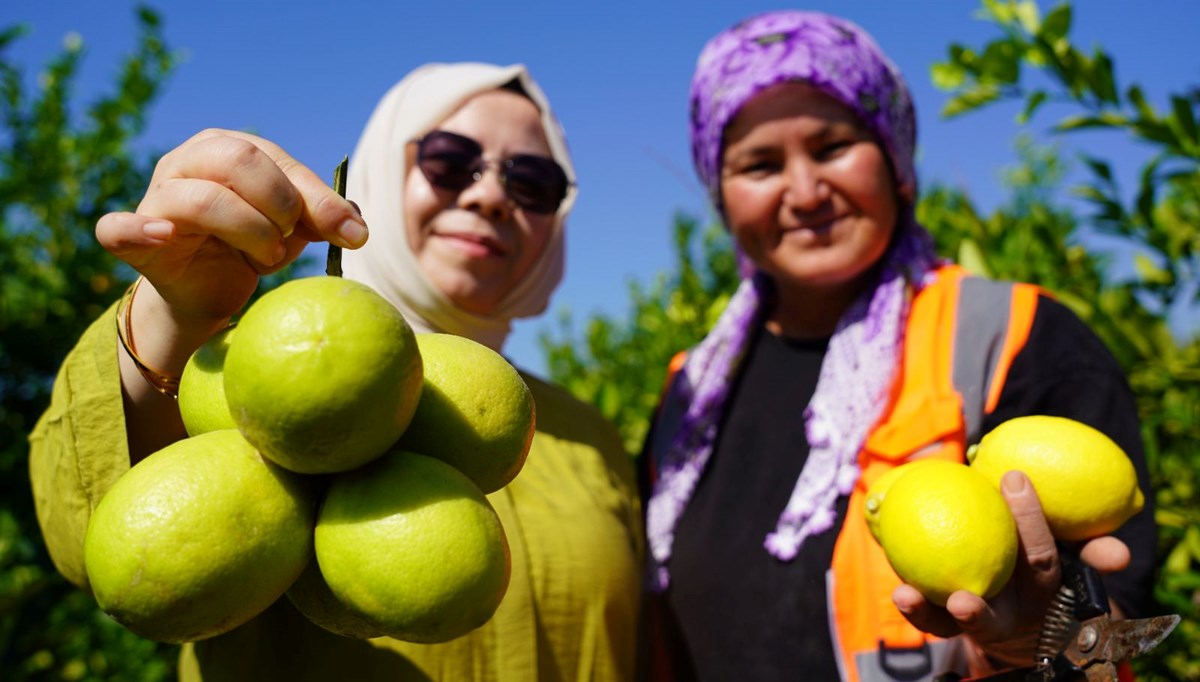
[945, 528]
[323, 374]
[1085, 481]
[476, 412]
[202, 387]
[411, 545]
[878, 490]
[198, 538]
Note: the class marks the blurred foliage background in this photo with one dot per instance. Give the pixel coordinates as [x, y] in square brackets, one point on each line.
[59, 172]
[56, 279]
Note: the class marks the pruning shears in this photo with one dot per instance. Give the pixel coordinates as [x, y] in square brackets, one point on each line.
[1080, 641]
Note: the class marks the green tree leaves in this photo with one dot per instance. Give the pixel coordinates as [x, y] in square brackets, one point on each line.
[60, 170]
[620, 365]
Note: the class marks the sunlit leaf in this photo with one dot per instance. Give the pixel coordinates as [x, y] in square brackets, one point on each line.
[1031, 105]
[947, 75]
[1135, 95]
[1155, 131]
[1057, 24]
[1000, 63]
[1149, 272]
[970, 100]
[1028, 15]
[971, 257]
[1184, 119]
[1000, 11]
[1179, 560]
[1101, 78]
[1082, 121]
[1099, 167]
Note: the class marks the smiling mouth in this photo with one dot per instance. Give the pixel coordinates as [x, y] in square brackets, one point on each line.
[815, 226]
[478, 246]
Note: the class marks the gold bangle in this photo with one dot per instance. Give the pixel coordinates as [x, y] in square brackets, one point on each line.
[163, 383]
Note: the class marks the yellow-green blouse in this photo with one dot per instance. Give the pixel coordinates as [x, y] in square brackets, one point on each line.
[571, 517]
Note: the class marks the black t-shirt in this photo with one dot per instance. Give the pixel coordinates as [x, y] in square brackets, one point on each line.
[735, 612]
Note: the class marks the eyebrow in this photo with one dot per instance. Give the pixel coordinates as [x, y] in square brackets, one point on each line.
[827, 130]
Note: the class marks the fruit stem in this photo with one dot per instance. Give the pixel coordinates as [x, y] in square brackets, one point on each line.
[333, 258]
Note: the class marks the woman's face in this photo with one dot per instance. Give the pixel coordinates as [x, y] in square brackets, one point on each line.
[807, 192]
[476, 245]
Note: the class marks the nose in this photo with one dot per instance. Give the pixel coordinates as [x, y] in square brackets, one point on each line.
[806, 188]
[486, 195]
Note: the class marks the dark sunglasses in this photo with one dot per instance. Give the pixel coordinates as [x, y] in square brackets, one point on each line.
[455, 162]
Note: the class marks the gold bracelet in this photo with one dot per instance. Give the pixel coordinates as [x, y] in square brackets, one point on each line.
[163, 383]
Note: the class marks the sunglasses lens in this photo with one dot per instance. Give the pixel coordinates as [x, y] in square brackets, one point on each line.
[451, 161]
[535, 183]
[447, 160]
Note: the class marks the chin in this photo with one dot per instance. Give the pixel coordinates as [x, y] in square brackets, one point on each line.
[473, 299]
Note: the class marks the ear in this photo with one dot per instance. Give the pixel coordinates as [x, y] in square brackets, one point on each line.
[907, 192]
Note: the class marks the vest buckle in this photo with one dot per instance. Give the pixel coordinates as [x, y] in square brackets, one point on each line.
[907, 663]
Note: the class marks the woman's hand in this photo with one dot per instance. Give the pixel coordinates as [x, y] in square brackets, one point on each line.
[1006, 628]
[221, 209]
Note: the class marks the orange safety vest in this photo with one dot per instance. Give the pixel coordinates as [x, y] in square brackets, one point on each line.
[960, 339]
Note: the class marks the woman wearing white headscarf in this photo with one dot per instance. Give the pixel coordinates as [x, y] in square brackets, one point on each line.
[462, 253]
[412, 108]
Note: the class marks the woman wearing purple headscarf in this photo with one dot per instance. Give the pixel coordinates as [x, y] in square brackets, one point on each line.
[849, 348]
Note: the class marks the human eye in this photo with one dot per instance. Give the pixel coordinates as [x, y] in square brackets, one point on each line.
[755, 166]
[834, 147]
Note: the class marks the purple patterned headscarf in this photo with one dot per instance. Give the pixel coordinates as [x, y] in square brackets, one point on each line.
[830, 53]
[852, 389]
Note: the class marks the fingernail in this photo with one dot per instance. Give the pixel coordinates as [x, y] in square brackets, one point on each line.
[280, 252]
[1013, 482]
[158, 229]
[354, 234]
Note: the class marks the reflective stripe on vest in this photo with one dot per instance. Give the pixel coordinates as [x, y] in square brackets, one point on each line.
[960, 340]
[990, 337]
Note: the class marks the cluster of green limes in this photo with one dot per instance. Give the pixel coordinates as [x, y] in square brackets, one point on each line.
[332, 455]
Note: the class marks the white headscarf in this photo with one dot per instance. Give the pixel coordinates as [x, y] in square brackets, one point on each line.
[411, 108]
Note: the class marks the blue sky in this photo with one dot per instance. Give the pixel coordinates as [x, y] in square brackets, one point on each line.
[307, 74]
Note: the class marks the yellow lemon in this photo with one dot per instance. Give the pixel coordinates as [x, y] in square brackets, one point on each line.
[945, 528]
[1085, 481]
[202, 387]
[198, 538]
[411, 545]
[323, 374]
[878, 490]
[475, 413]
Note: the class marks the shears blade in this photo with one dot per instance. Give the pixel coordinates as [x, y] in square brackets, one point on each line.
[1128, 638]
